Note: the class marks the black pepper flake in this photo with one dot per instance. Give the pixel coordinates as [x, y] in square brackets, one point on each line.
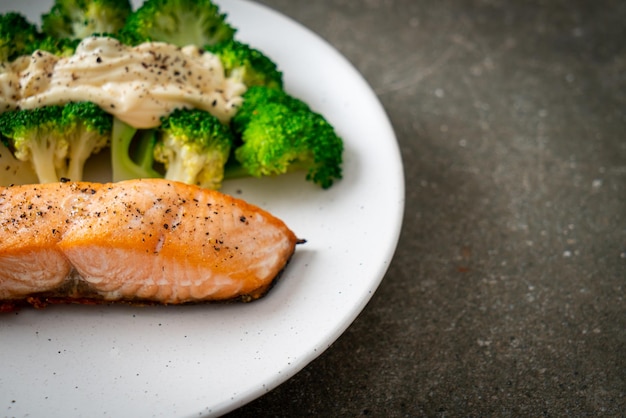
[98, 60]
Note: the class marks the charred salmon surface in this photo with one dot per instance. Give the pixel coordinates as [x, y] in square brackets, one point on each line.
[138, 241]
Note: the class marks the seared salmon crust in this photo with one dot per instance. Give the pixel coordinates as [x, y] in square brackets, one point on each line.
[138, 241]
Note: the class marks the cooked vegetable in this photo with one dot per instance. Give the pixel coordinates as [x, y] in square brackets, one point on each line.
[17, 36]
[77, 19]
[280, 133]
[62, 47]
[87, 129]
[37, 135]
[56, 140]
[132, 154]
[178, 22]
[258, 96]
[242, 123]
[194, 147]
[247, 64]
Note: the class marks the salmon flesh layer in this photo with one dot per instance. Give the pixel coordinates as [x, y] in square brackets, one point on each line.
[144, 241]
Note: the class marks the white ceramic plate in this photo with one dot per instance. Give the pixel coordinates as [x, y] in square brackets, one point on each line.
[210, 359]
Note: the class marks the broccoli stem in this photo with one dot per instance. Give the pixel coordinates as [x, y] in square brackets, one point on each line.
[179, 170]
[40, 151]
[123, 166]
[144, 152]
[80, 151]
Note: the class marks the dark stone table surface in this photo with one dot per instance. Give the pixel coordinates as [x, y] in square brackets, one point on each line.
[506, 296]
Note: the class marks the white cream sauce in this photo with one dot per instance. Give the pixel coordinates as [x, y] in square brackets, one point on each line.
[137, 84]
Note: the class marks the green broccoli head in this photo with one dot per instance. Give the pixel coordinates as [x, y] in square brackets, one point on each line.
[78, 19]
[178, 22]
[246, 64]
[37, 135]
[194, 146]
[88, 130]
[255, 98]
[62, 47]
[280, 133]
[17, 36]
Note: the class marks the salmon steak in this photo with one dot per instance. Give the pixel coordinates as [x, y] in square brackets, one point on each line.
[137, 241]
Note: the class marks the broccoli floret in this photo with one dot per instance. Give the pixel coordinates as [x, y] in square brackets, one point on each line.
[280, 133]
[194, 147]
[57, 140]
[88, 129]
[246, 64]
[17, 36]
[256, 97]
[132, 152]
[62, 47]
[78, 19]
[37, 135]
[178, 22]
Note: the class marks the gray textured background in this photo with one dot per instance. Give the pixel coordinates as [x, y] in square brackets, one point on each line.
[506, 294]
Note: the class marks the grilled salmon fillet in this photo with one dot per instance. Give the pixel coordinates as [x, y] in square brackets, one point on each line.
[140, 241]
